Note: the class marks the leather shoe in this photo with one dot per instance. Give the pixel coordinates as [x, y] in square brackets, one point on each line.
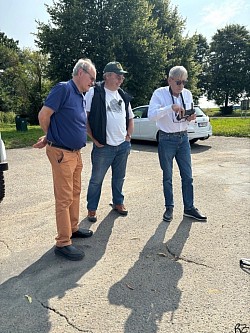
[69, 252]
[168, 215]
[92, 217]
[120, 209]
[82, 233]
[194, 213]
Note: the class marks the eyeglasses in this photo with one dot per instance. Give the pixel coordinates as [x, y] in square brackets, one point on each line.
[179, 82]
[90, 76]
[120, 77]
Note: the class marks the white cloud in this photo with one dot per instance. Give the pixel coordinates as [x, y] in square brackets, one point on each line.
[215, 15]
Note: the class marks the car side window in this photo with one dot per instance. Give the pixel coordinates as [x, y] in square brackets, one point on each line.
[138, 113]
[141, 112]
[145, 113]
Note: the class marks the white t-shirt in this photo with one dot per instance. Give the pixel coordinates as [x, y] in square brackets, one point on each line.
[160, 110]
[116, 115]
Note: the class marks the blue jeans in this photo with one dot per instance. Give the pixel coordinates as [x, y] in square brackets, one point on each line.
[176, 145]
[102, 158]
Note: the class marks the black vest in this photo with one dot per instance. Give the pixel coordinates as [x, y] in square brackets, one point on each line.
[97, 116]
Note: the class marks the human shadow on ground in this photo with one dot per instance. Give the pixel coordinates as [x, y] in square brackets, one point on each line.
[152, 147]
[25, 299]
[148, 146]
[150, 288]
[199, 148]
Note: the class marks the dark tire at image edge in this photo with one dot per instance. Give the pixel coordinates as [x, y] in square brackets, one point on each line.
[2, 186]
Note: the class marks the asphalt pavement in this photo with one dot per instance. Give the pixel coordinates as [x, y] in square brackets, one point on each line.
[139, 274]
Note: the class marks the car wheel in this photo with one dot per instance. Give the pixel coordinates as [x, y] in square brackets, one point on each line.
[193, 141]
[2, 187]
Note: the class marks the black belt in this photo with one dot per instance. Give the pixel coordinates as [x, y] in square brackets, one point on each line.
[175, 133]
[51, 144]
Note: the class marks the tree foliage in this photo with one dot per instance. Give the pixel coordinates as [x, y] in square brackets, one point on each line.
[9, 61]
[107, 30]
[181, 50]
[23, 84]
[228, 69]
[146, 36]
[34, 84]
[8, 42]
[201, 58]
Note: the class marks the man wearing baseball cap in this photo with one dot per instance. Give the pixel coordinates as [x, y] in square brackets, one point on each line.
[110, 126]
[114, 67]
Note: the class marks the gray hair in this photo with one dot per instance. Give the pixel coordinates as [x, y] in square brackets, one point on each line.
[178, 72]
[84, 64]
[106, 74]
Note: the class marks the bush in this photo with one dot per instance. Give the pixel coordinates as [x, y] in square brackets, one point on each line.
[226, 110]
[7, 117]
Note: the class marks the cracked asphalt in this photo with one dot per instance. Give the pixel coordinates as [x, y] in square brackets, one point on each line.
[139, 274]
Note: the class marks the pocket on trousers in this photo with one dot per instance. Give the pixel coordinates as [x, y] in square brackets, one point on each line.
[55, 155]
[59, 155]
[60, 158]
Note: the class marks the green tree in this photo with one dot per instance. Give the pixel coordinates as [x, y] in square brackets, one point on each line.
[171, 25]
[202, 48]
[9, 60]
[8, 42]
[169, 22]
[185, 55]
[228, 69]
[34, 83]
[23, 84]
[104, 31]
[181, 50]
[201, 57]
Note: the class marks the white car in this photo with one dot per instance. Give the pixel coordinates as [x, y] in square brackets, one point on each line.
[3, 167]
[145, 129]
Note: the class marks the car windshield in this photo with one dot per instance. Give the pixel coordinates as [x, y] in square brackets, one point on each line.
[198, 112]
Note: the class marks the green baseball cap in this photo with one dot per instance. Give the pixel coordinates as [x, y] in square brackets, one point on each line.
[114, 67]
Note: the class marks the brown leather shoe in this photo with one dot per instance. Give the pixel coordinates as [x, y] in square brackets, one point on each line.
[121, 209]
[92, 217]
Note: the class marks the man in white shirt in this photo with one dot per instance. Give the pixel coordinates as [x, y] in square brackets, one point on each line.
[168, 106]
[110, 126]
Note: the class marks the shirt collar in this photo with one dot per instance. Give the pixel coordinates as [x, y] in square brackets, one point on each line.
[74, 87]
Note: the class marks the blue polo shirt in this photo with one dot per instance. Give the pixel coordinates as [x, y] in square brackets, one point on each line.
[68, 122]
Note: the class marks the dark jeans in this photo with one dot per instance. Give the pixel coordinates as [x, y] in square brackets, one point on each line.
[176, 145]
[102, 158]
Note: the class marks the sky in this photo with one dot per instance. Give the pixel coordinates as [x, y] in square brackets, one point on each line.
[17, 17]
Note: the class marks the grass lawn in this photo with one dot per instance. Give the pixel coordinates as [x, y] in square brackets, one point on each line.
[239, 127]
[17, 139]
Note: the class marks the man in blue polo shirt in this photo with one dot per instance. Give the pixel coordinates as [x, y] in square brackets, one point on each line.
[63, 119]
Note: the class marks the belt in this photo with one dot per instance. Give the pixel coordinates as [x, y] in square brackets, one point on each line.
[51, 144]
[175, 133]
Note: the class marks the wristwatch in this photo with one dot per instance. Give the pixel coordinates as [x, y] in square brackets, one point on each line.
[128, 135]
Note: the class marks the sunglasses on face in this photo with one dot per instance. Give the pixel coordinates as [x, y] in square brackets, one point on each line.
[179, 82]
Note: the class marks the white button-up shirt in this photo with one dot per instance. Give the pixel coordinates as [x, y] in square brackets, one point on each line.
[160, 109]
